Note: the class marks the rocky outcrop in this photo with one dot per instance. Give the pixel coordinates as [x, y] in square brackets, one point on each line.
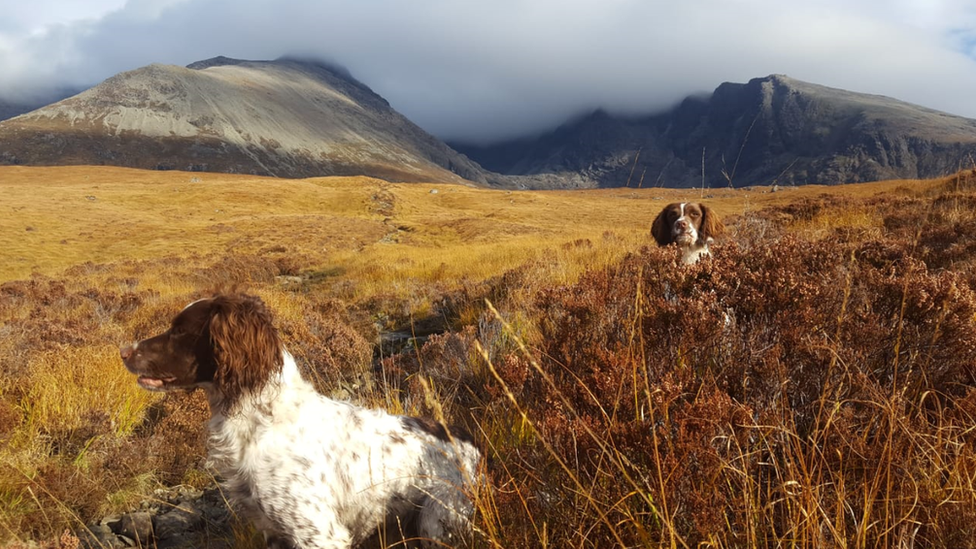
[769, 130]
[175, 518]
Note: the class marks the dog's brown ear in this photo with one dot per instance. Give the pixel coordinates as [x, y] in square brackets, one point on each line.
[660, 230]
[246, 347]
[712, 225]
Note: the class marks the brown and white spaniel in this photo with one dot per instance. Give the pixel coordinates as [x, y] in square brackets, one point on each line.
[691, 225]
[308, 470]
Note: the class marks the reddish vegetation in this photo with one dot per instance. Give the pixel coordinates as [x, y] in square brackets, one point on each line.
[786, 390]
[833, 361]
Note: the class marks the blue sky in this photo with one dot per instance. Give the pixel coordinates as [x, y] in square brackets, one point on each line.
[483, 70]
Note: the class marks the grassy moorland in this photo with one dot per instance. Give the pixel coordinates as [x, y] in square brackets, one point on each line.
[809, 386]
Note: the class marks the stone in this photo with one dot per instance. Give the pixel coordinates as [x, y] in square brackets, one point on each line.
[289, 280]
[172, 518]
[99, 536]
[138, 526]
[179, 521]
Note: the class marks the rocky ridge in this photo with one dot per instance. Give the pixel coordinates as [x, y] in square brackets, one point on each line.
[773, 130]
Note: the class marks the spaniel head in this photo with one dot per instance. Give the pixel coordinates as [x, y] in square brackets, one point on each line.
[688, 224]
[226, 343]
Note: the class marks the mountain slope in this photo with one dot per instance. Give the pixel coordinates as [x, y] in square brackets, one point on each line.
[286, 118]
[773, 129]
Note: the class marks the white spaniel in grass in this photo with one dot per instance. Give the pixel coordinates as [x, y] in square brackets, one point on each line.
[310, 472]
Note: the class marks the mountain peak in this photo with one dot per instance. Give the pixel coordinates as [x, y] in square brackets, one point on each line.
[218, 61]
[318, 63]
[318, 67]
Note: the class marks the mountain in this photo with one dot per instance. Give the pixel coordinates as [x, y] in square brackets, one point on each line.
[769, 130]
[287, 118]
[300, 118]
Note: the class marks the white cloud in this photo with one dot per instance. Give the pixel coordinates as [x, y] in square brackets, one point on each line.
[493, 68]
[27, 18]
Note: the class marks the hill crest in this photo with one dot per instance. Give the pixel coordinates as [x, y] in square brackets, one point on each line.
[286, 118]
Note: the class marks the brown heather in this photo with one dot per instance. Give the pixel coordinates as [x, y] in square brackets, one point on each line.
[815, 393]
[812, 385]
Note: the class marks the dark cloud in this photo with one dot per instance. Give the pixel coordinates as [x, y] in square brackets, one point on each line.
[490, 69]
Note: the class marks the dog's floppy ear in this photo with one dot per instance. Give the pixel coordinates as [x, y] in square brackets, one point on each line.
[660, 230]
[711, 226]
[246, 347]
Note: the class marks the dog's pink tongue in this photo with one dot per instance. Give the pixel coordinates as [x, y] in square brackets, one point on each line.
[150, 382]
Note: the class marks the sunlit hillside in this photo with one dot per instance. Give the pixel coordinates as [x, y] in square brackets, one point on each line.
[810, 385]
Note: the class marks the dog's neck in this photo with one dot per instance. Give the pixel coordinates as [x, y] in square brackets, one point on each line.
[233, 424]
[693, 253]
[259, 399]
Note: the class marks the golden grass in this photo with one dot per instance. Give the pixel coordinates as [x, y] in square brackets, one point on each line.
[855, 217]
[378, 232]
[174, 235]
[68, 383]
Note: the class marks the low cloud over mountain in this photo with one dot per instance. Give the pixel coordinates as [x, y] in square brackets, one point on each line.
[487, 70]
[769, 130]
[298, 118]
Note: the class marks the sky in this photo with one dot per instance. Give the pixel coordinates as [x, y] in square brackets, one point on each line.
[485, 70]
